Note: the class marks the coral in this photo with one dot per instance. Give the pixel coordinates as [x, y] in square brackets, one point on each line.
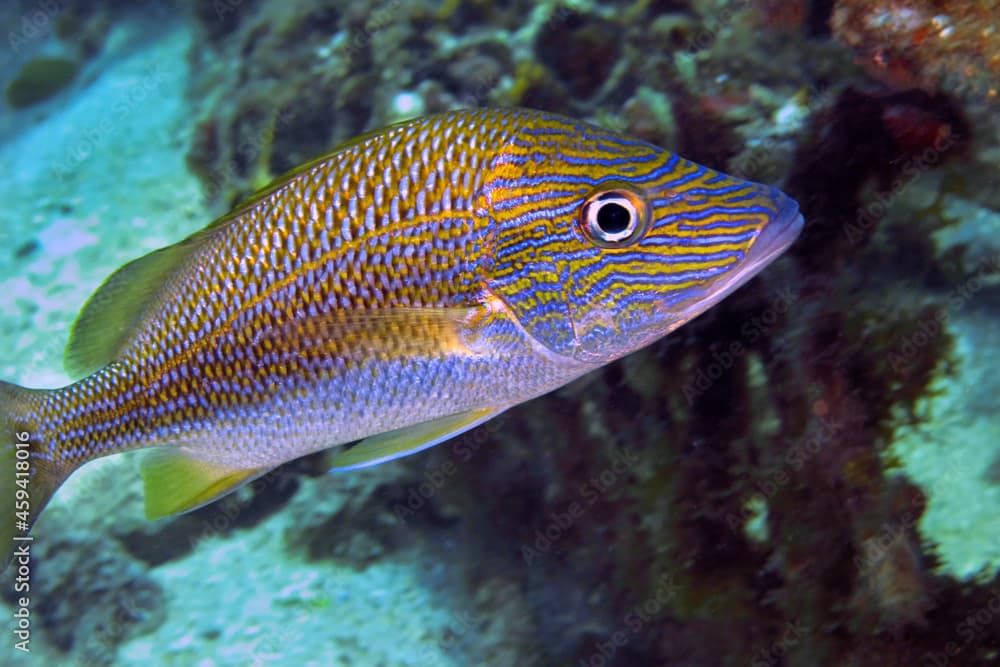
[952, 45]
[891, 591]
[348, 519]
[898, 129]
[40, 79]
[91, 596]
[243, 141]
[581, 50]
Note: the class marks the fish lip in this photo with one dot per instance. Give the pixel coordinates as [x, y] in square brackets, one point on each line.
[775, 236]
[773, 239]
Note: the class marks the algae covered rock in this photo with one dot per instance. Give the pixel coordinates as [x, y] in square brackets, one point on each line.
[40, 79]
[90, 596]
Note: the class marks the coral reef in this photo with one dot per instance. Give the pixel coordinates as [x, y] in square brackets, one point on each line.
[952, 45]
[92, 596]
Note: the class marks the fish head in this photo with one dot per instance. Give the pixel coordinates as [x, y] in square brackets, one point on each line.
[604, 243]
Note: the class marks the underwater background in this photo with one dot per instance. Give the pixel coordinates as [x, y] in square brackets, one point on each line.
[808, 474]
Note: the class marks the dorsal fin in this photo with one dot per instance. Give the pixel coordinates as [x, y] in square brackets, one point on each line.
[108, 320]
[111, 315]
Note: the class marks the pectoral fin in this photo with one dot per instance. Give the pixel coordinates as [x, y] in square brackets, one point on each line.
[176, 482]
[386, 333]
[410, 440]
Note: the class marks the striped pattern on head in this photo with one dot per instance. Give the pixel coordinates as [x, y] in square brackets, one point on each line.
[597, 302]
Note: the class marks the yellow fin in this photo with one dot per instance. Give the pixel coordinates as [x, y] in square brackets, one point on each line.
[114, 312]
[409, 440]
[177, 482]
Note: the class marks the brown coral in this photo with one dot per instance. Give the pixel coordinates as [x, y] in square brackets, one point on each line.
[953, 45]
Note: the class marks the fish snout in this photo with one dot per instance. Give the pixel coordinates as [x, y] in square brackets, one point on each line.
[775, 235]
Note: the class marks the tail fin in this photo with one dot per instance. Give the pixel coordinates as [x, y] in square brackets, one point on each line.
[27, 481]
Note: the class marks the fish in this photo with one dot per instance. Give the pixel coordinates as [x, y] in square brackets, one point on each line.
[393, 293]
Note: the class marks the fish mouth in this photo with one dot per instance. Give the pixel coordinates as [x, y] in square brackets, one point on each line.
[773, 239]
[775, 236]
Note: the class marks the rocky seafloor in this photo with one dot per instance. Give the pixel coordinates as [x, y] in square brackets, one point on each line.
[808, 474]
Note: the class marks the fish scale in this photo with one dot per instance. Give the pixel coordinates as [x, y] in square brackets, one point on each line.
[400, 289]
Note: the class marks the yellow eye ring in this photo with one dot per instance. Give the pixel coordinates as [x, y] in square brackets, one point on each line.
[614, 218]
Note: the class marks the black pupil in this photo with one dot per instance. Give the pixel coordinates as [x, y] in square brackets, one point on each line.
[613, 218]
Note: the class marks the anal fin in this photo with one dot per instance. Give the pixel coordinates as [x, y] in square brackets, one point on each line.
[176, 482]
[409, 440]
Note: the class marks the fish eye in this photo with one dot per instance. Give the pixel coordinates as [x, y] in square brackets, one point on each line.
[614, 218]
